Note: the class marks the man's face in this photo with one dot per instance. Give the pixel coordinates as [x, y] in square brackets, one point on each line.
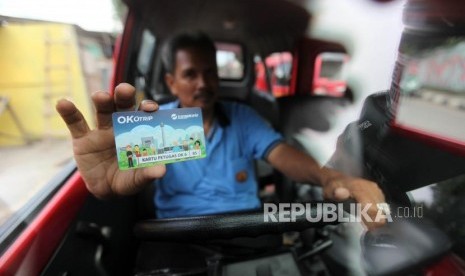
[194, 80]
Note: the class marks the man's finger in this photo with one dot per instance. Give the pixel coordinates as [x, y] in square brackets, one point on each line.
[73, 118]
[341, 193]
[125, 97]
[368, 192]
[371, 194]
[105, 107]
[148, 106]
[132, 182]
[154, 172]
[375, 220]
[336, 190]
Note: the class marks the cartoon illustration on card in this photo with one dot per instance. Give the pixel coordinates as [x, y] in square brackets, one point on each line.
[145, 139]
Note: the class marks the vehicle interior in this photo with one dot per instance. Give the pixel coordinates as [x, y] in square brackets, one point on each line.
[88, 236]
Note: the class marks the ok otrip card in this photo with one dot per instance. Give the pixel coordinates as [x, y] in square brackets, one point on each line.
[144, 139]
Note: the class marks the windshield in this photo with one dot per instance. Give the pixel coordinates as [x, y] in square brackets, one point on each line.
[363, 96]
[46, 61]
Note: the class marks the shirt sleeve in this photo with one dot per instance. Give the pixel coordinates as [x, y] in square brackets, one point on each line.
[258, 137]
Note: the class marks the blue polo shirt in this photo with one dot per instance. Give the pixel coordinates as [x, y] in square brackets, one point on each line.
[212, 184]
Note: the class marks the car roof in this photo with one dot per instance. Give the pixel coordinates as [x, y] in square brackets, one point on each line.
[264, 26]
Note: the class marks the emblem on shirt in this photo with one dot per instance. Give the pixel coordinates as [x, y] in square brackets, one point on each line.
[241, 176]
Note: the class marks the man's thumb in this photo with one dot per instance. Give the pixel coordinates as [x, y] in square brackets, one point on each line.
[341, 194]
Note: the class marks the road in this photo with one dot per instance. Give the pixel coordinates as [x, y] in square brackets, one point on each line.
[431, 117]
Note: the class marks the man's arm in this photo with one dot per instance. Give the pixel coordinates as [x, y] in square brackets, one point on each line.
[336, 186]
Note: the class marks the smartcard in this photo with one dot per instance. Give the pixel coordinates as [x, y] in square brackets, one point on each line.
[144, 139]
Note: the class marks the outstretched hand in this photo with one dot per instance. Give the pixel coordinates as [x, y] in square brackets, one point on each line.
[94, 150]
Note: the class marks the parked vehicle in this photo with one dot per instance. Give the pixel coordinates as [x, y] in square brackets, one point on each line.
[276, 69]
[329, 76]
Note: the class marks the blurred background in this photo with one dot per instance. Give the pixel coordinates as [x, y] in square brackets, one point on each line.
[49, 50]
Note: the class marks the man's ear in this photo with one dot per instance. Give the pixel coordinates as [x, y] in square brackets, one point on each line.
[169, 80]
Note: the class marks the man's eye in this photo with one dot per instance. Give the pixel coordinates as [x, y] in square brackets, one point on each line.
[189, 74]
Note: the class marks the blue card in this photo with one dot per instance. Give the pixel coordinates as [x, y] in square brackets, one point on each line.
[145, 139]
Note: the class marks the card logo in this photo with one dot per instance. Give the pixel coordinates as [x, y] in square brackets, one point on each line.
[133, 119]
[175, 116]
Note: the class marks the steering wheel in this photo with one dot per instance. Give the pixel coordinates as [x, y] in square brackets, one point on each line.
[224, 226]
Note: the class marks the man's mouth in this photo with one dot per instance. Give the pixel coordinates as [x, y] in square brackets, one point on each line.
[205, 96]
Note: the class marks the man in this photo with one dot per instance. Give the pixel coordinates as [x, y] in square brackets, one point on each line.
[129, 156]
[224, 180]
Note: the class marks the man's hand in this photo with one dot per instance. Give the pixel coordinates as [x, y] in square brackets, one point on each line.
[94, 150]
[340, 187]
[301, 167]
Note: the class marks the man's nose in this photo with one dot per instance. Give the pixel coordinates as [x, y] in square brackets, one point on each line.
[202, 81]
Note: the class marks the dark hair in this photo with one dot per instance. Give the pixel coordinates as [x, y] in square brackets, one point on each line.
[196, 40]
